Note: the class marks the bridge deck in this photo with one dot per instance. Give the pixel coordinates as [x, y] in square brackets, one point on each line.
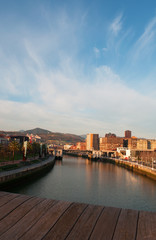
[26, 217]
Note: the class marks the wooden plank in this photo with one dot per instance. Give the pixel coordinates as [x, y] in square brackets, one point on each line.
[85, 224]
[3, 194]
[64, 225]
[11, 205]
[28, 220]
[127, 225]
[106, 224]
[146, 226]
[6, 198]
[40, 229]
[17, 214]
[28, 217]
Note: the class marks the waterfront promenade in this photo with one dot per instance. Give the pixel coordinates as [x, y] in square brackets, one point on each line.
[8, 176]
[135, 166]
[26, 217]
[129, 164]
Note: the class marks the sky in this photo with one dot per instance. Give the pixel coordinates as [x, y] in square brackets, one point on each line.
[78, 66]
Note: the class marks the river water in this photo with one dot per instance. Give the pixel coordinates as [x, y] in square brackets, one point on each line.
[80, 180]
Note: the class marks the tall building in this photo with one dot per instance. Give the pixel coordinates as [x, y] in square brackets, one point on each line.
[92, 141]
[127, 134]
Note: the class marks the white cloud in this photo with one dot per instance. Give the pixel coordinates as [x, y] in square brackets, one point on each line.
[68, 105]
[145, 45]
[116, 25]
[105, 49]
[60, 96]
[148, 34]
[96, 51]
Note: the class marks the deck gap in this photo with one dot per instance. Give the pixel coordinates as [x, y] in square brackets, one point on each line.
[57, 220]
[76, 221]
[137, 225]
[9, 200]
[24, 215]
[14, 208]
[96, 223]
[116, 223]
[37, 220]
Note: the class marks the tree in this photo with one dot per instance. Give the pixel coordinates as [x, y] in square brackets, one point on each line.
[29, 148]
[14, 147]
[35, 148]
[44, 149]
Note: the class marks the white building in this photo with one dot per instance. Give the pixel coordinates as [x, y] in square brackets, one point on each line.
[124, 152]
[67, 146]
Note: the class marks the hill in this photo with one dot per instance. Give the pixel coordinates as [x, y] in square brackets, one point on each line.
[37, 131]
[48, 136]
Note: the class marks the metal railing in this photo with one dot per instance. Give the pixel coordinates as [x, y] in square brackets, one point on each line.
[142, 164]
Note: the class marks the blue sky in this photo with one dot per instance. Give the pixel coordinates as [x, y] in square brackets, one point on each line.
[78, 66]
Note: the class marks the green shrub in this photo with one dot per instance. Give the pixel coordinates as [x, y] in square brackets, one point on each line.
[9, 167]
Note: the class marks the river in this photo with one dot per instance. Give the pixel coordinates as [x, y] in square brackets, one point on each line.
[80, 180]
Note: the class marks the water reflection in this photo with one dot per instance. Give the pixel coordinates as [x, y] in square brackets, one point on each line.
[80, 180]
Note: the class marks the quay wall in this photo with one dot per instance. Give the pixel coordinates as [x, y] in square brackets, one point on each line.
[148, 172]
[12, 177]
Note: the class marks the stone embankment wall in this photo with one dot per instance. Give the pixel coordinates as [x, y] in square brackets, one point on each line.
[149, 172]
[26, 172]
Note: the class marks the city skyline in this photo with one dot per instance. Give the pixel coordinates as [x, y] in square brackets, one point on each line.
[78, 67]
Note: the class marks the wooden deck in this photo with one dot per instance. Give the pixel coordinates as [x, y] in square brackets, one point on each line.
[26, 217]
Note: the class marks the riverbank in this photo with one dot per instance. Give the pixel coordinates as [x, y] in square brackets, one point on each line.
[133, 166]
[26, 172]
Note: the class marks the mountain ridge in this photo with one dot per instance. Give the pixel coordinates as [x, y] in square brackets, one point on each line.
[48, 136]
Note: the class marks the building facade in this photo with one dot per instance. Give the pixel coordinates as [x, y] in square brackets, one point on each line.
[81, 146]
[19, 139]
[128, 134]
[110, 142]
[132, 143]
[92, 141]
[141, 144]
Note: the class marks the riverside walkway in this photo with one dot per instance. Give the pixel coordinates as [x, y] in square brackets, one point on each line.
[26, 217]
[137, 167]
[22, 171]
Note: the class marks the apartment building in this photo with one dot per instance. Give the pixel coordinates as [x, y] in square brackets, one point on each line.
[110, 142]
[92, 141]
[128, 134]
